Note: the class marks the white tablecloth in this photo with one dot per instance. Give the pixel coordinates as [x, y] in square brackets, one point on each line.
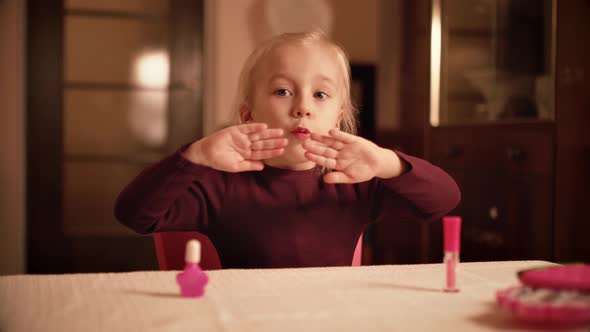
[369, 298]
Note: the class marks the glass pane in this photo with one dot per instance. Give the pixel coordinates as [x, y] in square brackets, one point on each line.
[116, 51]
[89, 199]
[185, 118]
[157, 7]
[496, 61]
[116, 123]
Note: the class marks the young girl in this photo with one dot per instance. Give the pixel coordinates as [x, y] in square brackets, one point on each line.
[291, 186]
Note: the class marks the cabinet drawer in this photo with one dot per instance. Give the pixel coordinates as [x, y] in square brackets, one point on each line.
[516, 149]
[505, 217]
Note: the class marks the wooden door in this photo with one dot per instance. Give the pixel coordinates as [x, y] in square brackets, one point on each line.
[111, 87]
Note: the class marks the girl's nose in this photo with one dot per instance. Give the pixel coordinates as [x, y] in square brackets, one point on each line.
[302, 113]
[301, 108]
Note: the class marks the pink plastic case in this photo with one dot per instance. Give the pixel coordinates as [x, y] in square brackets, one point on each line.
[559, 294]
[574, 277]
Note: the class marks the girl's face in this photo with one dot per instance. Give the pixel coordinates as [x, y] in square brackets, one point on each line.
[297, 88]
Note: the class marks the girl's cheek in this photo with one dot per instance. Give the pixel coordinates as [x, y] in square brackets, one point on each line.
[330, 109]
[280, 103]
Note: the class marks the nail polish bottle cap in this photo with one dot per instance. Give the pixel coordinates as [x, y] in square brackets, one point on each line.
[193, 252]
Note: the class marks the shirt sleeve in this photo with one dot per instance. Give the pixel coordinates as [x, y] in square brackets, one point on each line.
[424, 192]
[171, 195]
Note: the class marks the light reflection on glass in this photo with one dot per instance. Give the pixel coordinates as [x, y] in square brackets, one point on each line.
[148, 112]
[152, 69]
[435, 54]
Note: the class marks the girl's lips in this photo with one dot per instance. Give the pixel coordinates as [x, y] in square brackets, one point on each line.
[301, 133]
[301, 136]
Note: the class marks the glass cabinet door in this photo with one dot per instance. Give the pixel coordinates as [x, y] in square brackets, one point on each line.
[132, 95]
[491, 61]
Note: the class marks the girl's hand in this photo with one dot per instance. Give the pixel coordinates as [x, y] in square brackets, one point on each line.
[238, 148]
[353, 159]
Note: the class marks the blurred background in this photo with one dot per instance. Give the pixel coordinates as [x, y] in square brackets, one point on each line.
[493, 91]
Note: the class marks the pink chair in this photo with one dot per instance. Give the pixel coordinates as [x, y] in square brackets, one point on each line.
[170, 248]
[358, 252]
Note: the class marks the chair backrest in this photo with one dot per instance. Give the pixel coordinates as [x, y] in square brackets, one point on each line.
[170, 247]
[358, 252]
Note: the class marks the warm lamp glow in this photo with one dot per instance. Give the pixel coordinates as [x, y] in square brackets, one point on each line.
[152, 69]
[148, 110]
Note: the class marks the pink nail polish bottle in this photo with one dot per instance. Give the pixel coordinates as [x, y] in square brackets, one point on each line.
[452, 241]
[192, 280]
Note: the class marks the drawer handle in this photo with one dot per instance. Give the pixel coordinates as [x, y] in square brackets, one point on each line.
[491, 239]
[454, 151]
[484, 237]
[493, 213]
[515, 154]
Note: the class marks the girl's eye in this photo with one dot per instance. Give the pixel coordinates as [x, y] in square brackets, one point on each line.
[282, 92]
[320, 95]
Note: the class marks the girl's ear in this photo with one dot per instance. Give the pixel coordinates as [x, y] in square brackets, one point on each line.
[245, 114]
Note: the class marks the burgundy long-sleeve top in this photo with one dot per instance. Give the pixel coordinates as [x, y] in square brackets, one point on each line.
[277, 217]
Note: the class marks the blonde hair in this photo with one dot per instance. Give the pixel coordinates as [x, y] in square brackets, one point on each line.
[348, 118]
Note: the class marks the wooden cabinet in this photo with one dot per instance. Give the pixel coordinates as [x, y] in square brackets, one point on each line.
[525, 183]
[505, 175]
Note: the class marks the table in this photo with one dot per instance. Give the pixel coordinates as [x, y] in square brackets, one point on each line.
[367, 298]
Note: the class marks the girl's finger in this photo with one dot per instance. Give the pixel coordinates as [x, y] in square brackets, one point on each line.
[338, 177]
[272, 143]
[249, 165]
[321, 160]
[327, 140]
[342, 136]
[265, 154]
[265, 134]
[251, 127]
[320, 149]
